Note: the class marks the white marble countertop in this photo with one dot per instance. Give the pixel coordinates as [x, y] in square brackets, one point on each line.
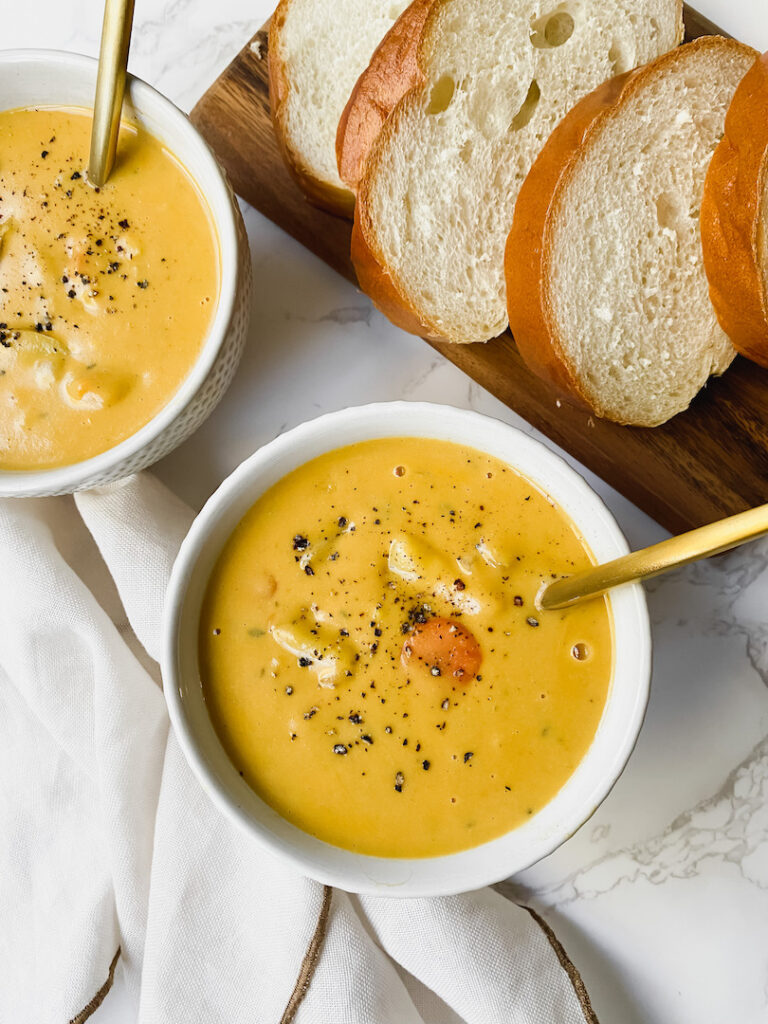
[662, 897]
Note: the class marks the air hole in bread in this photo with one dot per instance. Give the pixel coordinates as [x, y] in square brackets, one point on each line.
[620, 60]
[669, 212]
[526, 112]
[441, 95]
[650, 305]
[553, 29]
[559, 28]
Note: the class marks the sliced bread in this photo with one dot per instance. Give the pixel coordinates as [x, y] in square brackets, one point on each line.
[734, 218]
[317, 50]
[605, 279]
[435, 201]
[392, 71]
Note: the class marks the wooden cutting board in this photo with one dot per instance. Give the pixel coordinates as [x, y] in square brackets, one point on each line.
[708, 462]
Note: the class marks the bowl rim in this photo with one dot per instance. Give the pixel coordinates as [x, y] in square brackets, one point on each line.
[339, 867]
[142, 98]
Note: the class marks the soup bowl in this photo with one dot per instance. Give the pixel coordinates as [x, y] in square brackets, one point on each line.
[30, 78]
[457, 872]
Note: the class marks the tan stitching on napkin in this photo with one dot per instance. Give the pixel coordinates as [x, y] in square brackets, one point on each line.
[568, 966]
[98, 999]
[309, 963]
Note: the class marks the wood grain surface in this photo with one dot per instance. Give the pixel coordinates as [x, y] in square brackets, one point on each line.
[708, 462]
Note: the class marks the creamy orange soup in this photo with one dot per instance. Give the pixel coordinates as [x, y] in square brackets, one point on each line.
[107, 294]
[373, 659]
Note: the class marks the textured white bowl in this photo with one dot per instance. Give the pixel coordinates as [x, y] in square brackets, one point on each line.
[50, 78]
[457, 872]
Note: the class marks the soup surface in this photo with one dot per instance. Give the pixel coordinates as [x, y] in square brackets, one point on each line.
[107, 294]
[372, 657]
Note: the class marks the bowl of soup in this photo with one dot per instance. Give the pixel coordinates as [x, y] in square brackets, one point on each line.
[356, 665]
[123, 309]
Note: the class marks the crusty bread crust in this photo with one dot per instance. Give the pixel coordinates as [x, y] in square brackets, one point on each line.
[731, 212]
[528, 302]
[320, 193]
[371, 268]
[392, 72]
[379, 285]
[528, 305]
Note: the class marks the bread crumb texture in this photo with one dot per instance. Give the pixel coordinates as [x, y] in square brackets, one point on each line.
[323, 46]
[441, 184]
[627, 292]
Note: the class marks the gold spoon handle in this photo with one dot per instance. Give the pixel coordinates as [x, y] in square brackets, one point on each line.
[657, 559]
[110, 88]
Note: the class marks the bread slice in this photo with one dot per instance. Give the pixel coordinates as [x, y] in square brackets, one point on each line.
[734, 218]
[317, 50]
[392, 71]
[605, 278]
[435, 202]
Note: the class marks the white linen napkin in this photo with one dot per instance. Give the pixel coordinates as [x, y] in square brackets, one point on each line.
[107, 841]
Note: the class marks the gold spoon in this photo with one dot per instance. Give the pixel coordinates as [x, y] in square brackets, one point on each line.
[110, 88]
[657, 559]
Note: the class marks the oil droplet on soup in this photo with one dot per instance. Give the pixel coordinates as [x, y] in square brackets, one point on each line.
[369, 656]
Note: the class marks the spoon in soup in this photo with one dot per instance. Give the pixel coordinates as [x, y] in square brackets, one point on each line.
[657, 559]
[110, 88]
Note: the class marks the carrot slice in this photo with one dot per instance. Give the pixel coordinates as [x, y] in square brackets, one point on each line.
[445, 648]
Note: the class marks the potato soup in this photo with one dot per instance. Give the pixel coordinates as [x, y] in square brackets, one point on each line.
[373, 660]
[107, 294]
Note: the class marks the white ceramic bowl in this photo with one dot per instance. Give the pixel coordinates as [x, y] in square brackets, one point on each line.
[457, 872]
[50, 78]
